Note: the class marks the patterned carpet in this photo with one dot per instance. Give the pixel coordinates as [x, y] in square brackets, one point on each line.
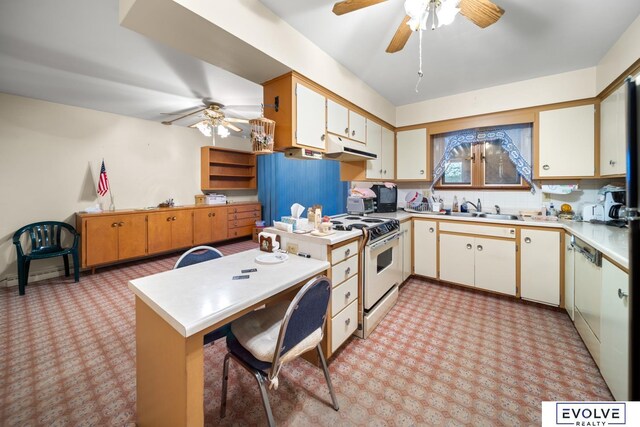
[443, 356]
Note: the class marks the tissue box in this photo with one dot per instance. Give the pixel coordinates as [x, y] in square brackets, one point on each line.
[296, 223]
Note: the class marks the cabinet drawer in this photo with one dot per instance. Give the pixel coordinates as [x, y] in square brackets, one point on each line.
[480, 230]
[235, 223]
[343, 295]
[240, 232]
[344, 270]
[243, 208]
[344, 252]
[343, 325]
[242, 215]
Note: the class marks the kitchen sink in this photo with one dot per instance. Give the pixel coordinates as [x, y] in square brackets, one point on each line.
[486, 215]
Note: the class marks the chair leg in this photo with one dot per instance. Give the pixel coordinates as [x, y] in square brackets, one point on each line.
[265, 398]
[21, 277]
[327, 377]
[66, 264]
[225, 379]
[76, 266]
[27, 265]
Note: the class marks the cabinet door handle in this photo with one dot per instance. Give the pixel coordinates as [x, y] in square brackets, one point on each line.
[612, 162]
[353, 133]
[480, 248]
[346, 131]
[512, 231]
[213, 214]
[173, 218]
[469, 246]
[569, 248]
[431, 230]
[347, 271]
[381, 171]
[347, 252]
[168, 218]
[209, 215]
[546, 167]
[347, 322]
[385, 171]
[115, 224]
[527, 239]
[120, 224]
[347, 295]
[421, 171]
[322, 137]
[622, 294]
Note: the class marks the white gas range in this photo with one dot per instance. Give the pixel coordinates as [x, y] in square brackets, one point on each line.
[381, 269]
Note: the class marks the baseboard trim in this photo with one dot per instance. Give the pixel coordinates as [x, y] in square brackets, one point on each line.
[12, 280]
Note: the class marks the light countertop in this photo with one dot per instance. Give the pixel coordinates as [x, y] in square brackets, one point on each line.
[331, 239]
[611, 241]
[193, 298]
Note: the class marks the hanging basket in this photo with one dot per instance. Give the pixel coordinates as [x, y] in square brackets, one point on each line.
[262, 131]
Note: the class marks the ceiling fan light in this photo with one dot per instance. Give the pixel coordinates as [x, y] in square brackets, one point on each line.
[447, 12]
[204, 128]
[223, 132]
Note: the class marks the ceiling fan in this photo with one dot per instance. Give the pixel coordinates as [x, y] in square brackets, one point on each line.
[442, 12]
[211, 118]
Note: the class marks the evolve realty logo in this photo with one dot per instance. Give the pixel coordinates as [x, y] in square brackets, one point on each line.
[590, 414]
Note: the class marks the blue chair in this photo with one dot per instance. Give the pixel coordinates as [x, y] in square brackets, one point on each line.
[46, 242]
[194, 256]
[299, 325]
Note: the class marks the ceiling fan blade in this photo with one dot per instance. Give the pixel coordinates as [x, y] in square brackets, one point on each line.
[400, 37]
[481, 12]
[235, 120]
[346, 6]
[232, 127]
[169, 122]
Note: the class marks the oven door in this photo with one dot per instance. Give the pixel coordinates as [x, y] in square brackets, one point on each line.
[382, 269]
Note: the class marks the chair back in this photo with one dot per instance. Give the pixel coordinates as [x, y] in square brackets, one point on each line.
[306, 313]
[197, 255]
[45, 237]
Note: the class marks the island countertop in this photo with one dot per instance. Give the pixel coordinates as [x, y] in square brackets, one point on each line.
[193, 298]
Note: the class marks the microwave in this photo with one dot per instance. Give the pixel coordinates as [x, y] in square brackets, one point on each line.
[386, 198]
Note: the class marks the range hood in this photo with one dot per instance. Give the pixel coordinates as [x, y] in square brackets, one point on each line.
[347, 150]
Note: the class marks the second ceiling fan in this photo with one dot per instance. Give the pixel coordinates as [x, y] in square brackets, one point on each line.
[481, 12]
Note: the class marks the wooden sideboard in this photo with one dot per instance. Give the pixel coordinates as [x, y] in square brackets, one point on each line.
[111, 237]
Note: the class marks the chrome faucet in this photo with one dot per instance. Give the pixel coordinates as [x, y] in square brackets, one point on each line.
[472, 204]
[497, 210]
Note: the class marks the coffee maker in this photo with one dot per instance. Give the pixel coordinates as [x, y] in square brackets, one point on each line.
[614, 204]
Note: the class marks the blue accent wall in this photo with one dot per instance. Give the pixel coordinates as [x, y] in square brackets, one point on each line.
[284, 181]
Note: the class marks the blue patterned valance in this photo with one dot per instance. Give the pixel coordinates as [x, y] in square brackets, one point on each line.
[475, 136]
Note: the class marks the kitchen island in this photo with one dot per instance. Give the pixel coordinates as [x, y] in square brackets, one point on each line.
[176, 308]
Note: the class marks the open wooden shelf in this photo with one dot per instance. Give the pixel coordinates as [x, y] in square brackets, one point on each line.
[225, 169]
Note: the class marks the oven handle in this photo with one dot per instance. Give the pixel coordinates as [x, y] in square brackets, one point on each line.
[385, 241]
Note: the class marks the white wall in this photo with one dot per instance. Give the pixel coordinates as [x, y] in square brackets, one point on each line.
[527, 93]
[620, 57]
[50, 158]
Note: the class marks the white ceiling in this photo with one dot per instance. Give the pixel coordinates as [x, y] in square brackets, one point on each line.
[532, 39]
[75, 52]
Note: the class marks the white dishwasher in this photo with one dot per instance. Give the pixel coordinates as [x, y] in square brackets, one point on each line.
[588, 288]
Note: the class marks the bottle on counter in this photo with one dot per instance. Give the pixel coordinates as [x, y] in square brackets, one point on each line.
[479, 205]
[463, 206]
[454, 206]
[552, 210]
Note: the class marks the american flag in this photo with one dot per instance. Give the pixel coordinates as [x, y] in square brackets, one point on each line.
[103, 181]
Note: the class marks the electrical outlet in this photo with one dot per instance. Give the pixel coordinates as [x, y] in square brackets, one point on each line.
[292, 248]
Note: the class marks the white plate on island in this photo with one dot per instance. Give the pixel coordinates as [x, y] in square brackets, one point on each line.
[272, 258]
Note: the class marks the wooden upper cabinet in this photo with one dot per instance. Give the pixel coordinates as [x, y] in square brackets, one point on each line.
[566, 142]
[613, 118]
[226, 169]
[411, 162]
[310, 118]
[337, 118]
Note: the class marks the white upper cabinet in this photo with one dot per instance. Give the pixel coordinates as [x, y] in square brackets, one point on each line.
[337, 118]
[412, 154]
[344, 122]
[374, 145]
[357, 127]
[566, 142]
[310, 118]
[387, 154]
[613, 111]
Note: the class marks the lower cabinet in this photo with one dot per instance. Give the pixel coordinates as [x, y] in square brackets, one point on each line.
[569, 281]
[614, 330]
[425, 248]
[242, 219]
[406, 238]
[169, 230]
[112, 238]
[344, 295]
[479, 261]
[209, 225]
[540, 265]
